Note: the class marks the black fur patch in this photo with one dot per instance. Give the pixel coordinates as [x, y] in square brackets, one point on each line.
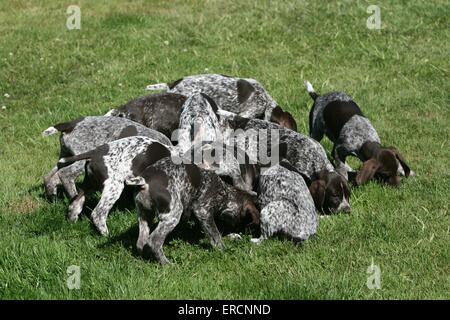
[158, 181]
[211, 102]
[194, 174]
[311, 118]
[159, 111]
[245, 89]
[154, 152]
[174, 84]
[238, 122]
[369, 150]
[67, 127]
[97, 164]
[337, 113]
[128, 131]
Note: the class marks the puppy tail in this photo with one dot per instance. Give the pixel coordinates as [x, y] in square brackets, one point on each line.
[157, 86]
[310, 90]
[62, 127]
[63, 162]
[49, 131]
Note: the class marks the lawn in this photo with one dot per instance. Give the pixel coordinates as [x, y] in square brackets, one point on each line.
[399, 75]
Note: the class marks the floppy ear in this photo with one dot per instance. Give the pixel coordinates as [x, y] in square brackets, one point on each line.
[402, 161]
[283, 118]
[367, 171]
[317, 190]
[251, 211]
[135, 181]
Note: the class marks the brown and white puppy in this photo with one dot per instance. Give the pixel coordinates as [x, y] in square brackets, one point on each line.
[306, 155]
[174, 190]
[330, 192]
[341, 119]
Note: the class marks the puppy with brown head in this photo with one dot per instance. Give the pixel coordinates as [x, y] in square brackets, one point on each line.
[172, 190]
[338, 116]
[283, 118]
[331, 192]
[382, 163]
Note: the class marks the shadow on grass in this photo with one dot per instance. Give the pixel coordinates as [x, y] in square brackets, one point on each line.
[186, 231]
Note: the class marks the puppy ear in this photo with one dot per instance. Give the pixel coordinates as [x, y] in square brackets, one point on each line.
[244, 90]
[317, 190]
[402, 161]
[367, 172]
[283, 118]
[135, 181]
[289, 121]
[252, 212]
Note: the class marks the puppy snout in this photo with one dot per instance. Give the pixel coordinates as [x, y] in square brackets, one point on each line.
[344, 207]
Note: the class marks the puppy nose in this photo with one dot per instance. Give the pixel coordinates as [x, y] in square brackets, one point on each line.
[347, 209]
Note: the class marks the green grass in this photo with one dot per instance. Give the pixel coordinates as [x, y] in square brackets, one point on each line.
[399, 75]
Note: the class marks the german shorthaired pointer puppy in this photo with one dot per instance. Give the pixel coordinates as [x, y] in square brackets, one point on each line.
[84, 134]
[341, 119]
[198, 122]
[108, 167]
[287, 207]
[160, 112]
[245, 97]
[329, 189]
[200, 131]
[176, 189]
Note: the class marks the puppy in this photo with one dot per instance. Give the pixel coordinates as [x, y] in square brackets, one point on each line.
[330, 191]
[245, 97]
[175, 189]
[107, 168]
[286, 204]
[341, 119]
[84, 134]
[160, 112]
[198, 122]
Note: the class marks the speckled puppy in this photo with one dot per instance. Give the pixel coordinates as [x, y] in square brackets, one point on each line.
[340, 118]
[108, 166]
[201, 131]
[329, 189]
[84, 134]
[286, 205]
[198, 122]
[176, 189]
[246, 97]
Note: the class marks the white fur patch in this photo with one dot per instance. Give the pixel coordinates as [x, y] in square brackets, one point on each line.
[309, 86]
[157, 86]
[109, 113]
[49, 131]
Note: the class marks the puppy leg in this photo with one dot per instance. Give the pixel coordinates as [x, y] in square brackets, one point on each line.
[167, 222]
[76, 206]
[206, 219]
[269, 221]
[51, 182]
[316, 131]
[145, 219]
[68, 176]
[111, 192]
[339, 159]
